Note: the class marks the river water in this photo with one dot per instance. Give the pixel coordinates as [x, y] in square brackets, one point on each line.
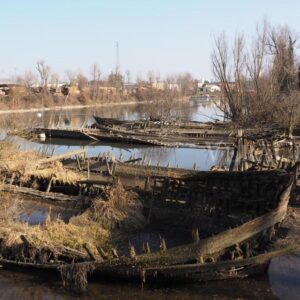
[181, 157]
[281, 282]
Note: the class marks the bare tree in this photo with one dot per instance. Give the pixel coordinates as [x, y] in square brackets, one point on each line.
[95, 84]
[28, 80]
[185, 82]
[44, 73]
[71, 77]
[151, 78]
[82, 82]
[55, 79]
[229, 71]
[258, 82]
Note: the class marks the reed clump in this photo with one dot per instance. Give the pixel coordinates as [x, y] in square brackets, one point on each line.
[74, 276]
[121, 210]
[26, 164]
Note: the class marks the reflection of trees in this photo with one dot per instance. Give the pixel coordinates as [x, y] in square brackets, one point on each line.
[78, 117]
[156, 154]
[18, 121]
[66, 118]
[223, 157]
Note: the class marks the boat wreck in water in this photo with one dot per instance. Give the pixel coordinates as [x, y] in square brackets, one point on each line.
[233, 253]
[232, 216]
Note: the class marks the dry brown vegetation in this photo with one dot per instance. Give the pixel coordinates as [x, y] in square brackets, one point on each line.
[44, 89]
[101, 226]
[98, 226]
[53, 234]
[25, 164]
[121, 210]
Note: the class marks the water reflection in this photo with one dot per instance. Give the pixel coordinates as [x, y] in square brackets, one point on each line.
[204, 159]
[36, 212]
[84, 116]
[21, 286]
[284, 277]
[186, 158]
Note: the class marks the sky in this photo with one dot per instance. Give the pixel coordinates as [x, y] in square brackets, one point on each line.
[163, 36]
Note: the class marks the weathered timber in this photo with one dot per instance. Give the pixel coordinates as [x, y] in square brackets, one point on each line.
[146, 138]
[101, 181]
[89, 251]
[219, 194]
[43, 195]
[213, 271]
[167, 264]
[60, 156]
[178, 273]
[210, 246]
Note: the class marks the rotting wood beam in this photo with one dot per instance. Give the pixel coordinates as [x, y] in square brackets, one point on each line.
[61, 156]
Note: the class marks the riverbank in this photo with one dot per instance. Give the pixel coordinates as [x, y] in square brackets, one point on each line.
[70, 107]
[67, 107]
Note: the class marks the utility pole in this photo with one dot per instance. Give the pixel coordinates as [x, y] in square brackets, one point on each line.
[117, 58]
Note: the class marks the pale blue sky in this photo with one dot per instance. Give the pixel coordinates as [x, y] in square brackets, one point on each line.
[166, 36]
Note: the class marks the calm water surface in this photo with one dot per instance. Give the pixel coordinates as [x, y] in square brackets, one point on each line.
[181, 157]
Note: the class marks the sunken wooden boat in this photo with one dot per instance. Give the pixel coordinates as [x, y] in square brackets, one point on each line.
[247, 214]
[187, 138]
[223, 256]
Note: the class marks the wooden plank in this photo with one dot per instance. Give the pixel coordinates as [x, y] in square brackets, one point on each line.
[102, 181]
[215, 244]
[204, 267]
[33, 192]
[61, 156]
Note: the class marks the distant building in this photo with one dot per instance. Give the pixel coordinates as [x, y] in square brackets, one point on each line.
[159, 85]
[206, 87]
[162, 85]
[173, 87]
[9, 86]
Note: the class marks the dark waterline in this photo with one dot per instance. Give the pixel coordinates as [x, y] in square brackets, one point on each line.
[23, 286]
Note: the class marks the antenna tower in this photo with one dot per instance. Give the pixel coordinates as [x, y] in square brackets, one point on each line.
[117, 58]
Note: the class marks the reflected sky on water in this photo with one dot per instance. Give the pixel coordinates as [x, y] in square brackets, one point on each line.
[204, 159]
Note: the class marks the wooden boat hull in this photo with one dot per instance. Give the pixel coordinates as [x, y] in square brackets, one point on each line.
[174, 264]
[187, 273]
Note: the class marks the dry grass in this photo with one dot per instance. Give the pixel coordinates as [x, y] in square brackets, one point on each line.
[24, 163]
[95, 226]
[54, 235]
[45, 243]
[122, 210]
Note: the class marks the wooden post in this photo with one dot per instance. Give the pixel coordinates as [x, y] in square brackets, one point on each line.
[49, 184]
[78, 163]
[147, 182]
[89, 251]
[195, 235]
[162, 244]
[12, 178]
[102, 253]
[114, 253]
[132, 252]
